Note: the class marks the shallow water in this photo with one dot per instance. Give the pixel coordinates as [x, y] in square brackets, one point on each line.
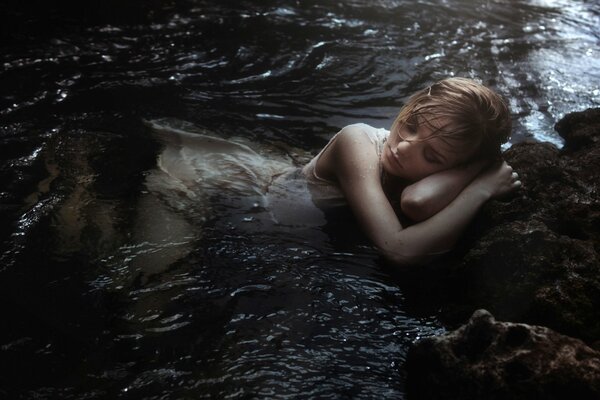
[110, 288]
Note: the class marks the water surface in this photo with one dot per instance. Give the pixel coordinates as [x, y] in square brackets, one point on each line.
[110, 288]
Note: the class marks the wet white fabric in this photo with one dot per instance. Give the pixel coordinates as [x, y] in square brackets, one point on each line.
[201, 168]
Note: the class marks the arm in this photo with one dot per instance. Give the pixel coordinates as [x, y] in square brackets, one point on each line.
[427, 197]
[439, 233]
[357, 173]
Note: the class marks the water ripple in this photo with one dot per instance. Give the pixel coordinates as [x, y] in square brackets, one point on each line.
[232, 305]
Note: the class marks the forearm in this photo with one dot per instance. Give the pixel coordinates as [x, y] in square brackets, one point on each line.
[438, 234]
[427, 197]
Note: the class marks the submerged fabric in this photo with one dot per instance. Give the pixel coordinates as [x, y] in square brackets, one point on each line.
[199, 167]
[198, 172]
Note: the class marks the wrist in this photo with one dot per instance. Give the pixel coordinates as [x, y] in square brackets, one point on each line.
[478, 190]
[471, 170]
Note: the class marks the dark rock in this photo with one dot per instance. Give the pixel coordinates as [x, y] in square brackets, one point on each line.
[535, 257]
[486, 359]
[580, 128]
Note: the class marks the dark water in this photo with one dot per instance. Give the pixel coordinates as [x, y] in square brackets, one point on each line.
[110, 290]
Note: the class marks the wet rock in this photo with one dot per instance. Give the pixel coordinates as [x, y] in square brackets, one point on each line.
[535, 257]
[486, 359]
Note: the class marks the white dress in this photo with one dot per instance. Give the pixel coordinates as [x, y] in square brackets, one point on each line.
[200, 174]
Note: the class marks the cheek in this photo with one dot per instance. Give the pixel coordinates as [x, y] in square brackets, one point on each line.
[426, 169]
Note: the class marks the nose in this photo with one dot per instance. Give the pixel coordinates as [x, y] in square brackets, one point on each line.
[404, 147]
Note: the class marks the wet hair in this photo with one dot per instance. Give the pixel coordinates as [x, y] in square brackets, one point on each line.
[466, 111]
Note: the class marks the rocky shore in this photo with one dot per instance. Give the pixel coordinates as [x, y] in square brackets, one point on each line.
[532, 259]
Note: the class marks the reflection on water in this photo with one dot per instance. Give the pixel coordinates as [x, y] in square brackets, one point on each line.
[127, 273]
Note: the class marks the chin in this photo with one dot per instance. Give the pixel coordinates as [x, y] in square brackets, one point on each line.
[389, 171]
[397, 175]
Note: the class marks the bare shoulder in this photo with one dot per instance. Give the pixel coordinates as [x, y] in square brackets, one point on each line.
[359, 129]
[356, 138]
[350, 150]
[355, 150]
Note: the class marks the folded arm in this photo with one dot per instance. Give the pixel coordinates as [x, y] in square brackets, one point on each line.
[357, 173]
[427, 197]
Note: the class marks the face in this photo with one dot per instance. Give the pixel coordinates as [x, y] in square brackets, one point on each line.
[412, 153]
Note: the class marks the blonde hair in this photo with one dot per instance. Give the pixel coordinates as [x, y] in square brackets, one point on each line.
[469, 111]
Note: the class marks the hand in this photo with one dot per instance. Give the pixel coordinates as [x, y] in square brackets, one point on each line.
[498, 180]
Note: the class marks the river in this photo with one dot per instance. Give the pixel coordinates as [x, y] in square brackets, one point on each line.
[111, 288]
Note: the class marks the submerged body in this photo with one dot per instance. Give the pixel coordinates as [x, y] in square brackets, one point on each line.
[207, 170]
[199, 166]
[438, 164]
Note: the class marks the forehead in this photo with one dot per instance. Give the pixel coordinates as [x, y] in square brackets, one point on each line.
[431, 117]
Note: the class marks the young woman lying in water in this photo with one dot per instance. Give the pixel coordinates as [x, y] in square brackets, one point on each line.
[441, 158]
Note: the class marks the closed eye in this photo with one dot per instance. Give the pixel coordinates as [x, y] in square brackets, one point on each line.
[412, 128]
[432, 156]
[432, 160]
[412, 124]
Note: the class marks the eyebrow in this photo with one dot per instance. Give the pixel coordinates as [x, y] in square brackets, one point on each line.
[414, 119]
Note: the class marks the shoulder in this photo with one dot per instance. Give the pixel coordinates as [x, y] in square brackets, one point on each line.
[354, 150]
[357, 143]
[364, 133]
[362, 128]
[357, 135]
[348, 153]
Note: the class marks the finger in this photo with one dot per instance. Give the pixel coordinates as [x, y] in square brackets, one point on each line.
[515, 175]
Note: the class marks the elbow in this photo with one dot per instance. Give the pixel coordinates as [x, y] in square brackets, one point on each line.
[415, 207]
[402, 258]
